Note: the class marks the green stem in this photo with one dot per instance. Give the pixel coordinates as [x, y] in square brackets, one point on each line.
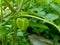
[18, 10]
[10, 7]
[1, 11]
[4, 40]
[20, 6]
[15, 27]
[14, 38]
[42, 20]
[15, 34]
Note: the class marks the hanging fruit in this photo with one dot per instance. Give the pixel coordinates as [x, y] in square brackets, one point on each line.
[22, 23]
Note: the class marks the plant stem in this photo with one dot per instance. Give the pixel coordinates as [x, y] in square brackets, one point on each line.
[15, 27]
[15, 34]
[20, 6]
[1, 11]
[3, 37]
[18, 10]
[10, 7]
[4, 40]
[42, 20]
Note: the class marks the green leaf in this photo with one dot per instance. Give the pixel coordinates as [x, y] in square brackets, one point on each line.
[20, 33]
[38, 25]
[55, 7]
[48, 1]
[51, 17]
[42, 13]
[38, 9]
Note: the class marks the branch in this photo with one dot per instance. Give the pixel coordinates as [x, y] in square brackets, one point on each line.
[18, 10]
[10, 7]
[20, 6]
[57, 27]
[1, 16]
[15, 27]
[15, 34]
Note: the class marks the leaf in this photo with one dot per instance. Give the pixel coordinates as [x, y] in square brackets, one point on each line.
[38, 25]
[55, 7]
[38, 9]
[22, 23]
[19, 33]
[51, 17]
[48, 1]
[26, 6]
[42, 13]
